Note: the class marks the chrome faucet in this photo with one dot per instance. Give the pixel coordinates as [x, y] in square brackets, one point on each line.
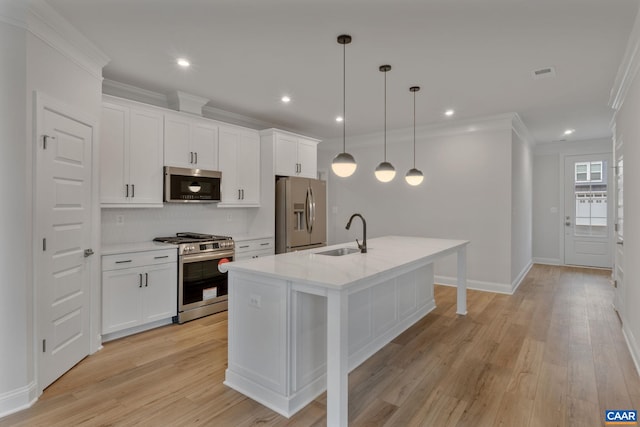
[363, 246]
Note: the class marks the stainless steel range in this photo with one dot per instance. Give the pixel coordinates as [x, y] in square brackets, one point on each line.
[202, 288]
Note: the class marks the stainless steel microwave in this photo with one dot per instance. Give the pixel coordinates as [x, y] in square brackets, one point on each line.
[182, 185]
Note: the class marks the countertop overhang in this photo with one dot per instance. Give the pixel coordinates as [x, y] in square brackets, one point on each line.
[383, 254]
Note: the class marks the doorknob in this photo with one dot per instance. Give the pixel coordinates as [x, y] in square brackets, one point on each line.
[567, 223]
[88, 252]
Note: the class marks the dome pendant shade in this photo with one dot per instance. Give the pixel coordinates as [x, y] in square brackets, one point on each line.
[385, 172]
[344, 165]
[414, 177]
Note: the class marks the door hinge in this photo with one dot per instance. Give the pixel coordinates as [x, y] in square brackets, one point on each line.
[44, 140]
[44, 244]
[615, 226]
[615, 283]
[44, 346]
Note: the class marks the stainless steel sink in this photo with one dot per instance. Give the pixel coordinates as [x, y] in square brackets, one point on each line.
[339, 251]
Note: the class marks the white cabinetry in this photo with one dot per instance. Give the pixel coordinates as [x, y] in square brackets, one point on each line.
[130, 154]
[239, 151]
[139, 291]
[190, 142]
[294, 155]
[253, 248]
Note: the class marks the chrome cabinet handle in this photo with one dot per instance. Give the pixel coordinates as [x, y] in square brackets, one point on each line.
[140, 285]
[127, 185]
[123, 262]
[160, 257]
[196, 154]
[265, 244]
[146, 280]
[133, 190]
[191, 157]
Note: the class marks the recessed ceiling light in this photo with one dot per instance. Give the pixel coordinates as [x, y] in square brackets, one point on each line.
[449, 113]
[183, 62]
[285, 99]
[569, 131]
[339, 119]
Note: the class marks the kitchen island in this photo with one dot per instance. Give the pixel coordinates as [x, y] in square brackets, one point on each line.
[300, 322]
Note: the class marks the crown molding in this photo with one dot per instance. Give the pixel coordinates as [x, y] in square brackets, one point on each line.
[49, 26]
[522, 131]
[14, 13]
[134, 93]
[449, 128]
[628, 68]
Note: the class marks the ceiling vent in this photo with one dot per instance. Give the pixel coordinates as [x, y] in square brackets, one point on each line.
[187, 102]
[543, 73]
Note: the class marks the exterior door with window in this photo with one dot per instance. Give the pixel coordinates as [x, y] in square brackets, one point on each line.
[618, 271]
[587, 213]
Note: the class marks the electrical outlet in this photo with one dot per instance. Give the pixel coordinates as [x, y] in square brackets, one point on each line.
[120, 219]
[255, 300]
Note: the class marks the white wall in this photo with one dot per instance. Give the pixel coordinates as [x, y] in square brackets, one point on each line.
[15, 369]
[628, 131]
[548, 178]
[521, 205]
[466, 195]
[30, 64]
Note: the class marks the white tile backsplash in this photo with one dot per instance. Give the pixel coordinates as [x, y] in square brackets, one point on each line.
[139, 225]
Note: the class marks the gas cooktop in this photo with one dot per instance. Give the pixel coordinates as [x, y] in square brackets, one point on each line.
[181, 238]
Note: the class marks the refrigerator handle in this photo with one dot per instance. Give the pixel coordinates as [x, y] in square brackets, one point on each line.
[307, 211]
[312, 205]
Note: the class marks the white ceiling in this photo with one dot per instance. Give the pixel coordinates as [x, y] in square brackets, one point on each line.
[476, 56]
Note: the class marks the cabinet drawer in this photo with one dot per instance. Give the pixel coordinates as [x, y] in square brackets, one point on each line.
[138, 259]
[254, 245]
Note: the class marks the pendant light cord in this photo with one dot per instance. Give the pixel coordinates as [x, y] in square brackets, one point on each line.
[385, 116]
[344, 97]
[414, 130]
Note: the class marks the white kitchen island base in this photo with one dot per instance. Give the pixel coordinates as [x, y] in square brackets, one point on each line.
[300, 322]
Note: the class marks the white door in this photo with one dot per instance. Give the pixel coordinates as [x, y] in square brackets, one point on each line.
[618, 272]
[62, 232]
[587, 212]
[248, 167]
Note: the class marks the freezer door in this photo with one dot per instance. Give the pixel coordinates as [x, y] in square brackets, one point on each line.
[293, 201]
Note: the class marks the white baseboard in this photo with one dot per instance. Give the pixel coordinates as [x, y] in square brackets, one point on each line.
[476, 285]
[633, 346]
[17, 400]
[521, 276]
[547, 261]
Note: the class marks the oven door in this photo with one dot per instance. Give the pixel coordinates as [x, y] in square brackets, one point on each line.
[200, 281]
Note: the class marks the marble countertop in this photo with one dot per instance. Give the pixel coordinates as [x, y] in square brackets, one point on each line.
[383, 254]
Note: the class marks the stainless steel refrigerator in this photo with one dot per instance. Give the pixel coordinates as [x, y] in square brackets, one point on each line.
[301, 215]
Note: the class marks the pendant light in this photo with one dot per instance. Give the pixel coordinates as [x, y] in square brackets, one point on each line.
[414, 176]
[344, 164]
[385, 171]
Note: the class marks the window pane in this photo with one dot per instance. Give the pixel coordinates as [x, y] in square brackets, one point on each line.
[582, 176]
[596, 167]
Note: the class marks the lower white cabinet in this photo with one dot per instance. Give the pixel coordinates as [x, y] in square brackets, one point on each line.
[138, 288]
[253, 248]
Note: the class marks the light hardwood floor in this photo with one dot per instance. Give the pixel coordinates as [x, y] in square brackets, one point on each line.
[552, 354]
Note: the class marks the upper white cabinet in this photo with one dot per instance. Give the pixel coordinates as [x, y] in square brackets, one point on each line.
[295, 155]
[190, 142]
[239, 152]
[131, 160]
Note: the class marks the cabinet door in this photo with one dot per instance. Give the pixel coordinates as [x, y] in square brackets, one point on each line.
[204, 144]
[229, 140]
[286, 156]
[177, 150]
[114, 140]
[248, 167]
[307, 158]
[146, 157]
[121, 305]
[160, 292]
